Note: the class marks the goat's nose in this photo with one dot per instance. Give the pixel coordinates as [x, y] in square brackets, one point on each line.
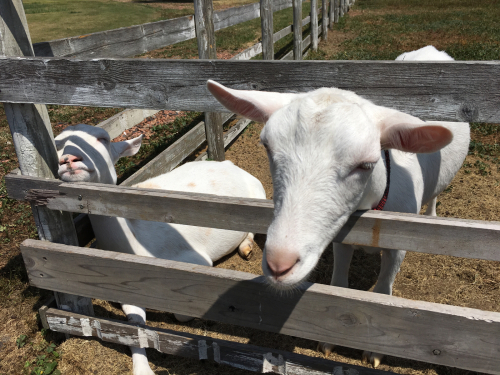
[281, 262]
[68, 159]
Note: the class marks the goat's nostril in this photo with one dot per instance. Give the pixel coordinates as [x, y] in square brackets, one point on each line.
[281, 268]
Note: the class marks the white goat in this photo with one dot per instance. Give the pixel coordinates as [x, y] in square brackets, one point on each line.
[86, 154]
[324, 149]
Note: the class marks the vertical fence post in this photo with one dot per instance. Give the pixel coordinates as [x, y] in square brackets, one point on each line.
[331, 16]
[324, 16]
[314, 24]
[34, 143]
[341, 8]
[297, 29]
[336, 11]
[266, 21]
[205, 35]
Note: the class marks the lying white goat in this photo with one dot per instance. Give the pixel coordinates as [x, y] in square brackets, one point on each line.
[86, 154]
[324, 149]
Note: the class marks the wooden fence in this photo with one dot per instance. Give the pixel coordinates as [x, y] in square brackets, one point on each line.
[429, 332]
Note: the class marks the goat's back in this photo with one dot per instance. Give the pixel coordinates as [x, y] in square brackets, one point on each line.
[417, 178]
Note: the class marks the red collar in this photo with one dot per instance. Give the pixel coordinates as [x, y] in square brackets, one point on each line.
[381, 204]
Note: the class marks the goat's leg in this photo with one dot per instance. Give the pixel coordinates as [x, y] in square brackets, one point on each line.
[342, 256]
[389, 268]
[137, 315]
[245, 248]
[431, 207]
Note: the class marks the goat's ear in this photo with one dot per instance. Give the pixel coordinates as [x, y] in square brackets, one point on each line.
[255, 105]
[407, 133]
[126, 148]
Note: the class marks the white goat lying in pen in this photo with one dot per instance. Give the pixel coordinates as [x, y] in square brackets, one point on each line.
[324, 149]
[86, 154]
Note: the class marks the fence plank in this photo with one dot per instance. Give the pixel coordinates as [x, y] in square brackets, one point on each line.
[324, 18]
[314, 24]
[34, 143]
[336, 11]
[205, 34]
[297, 29]
[331, 16]
[249, 52]
[122, 42]
[245, 356]
[455, 90]
[441, 334]
[266, 21]
[433, 235]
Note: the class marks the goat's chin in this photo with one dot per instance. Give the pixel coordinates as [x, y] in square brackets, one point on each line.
[75, 175]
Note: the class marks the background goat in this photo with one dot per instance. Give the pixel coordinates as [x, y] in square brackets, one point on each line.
[86, 154]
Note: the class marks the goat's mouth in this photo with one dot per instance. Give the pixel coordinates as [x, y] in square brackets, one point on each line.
[286, 282]
[74, 174]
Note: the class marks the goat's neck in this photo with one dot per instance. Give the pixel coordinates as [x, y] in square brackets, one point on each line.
[376, 186]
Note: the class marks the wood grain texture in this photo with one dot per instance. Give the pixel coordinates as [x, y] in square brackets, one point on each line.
[243, 356]
[214, 133]
[462, 337]
[434, 235]
[122, 42]
[124, 120]
[456, 90]
[314, 24]
[205, 32]
[266, 22]
[34, 143]
[297, 29]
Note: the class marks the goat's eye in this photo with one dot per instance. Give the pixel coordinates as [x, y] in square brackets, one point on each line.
[366, 166]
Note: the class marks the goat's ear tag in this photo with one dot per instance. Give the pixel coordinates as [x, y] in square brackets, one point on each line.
[255, 105]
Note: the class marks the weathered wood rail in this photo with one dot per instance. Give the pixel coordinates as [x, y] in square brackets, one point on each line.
[441, 334]
[434, 235]
[458, 90]
[244, 356]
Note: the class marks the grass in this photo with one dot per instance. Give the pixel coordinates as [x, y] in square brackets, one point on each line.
[468, 31]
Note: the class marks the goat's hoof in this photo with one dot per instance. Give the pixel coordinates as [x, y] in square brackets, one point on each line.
[373, 358]
[246, 251]
[325, 348]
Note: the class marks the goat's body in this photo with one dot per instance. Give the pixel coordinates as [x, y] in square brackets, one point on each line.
[324, 151]
[86, 154]
[181, 242]
[418, 178]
